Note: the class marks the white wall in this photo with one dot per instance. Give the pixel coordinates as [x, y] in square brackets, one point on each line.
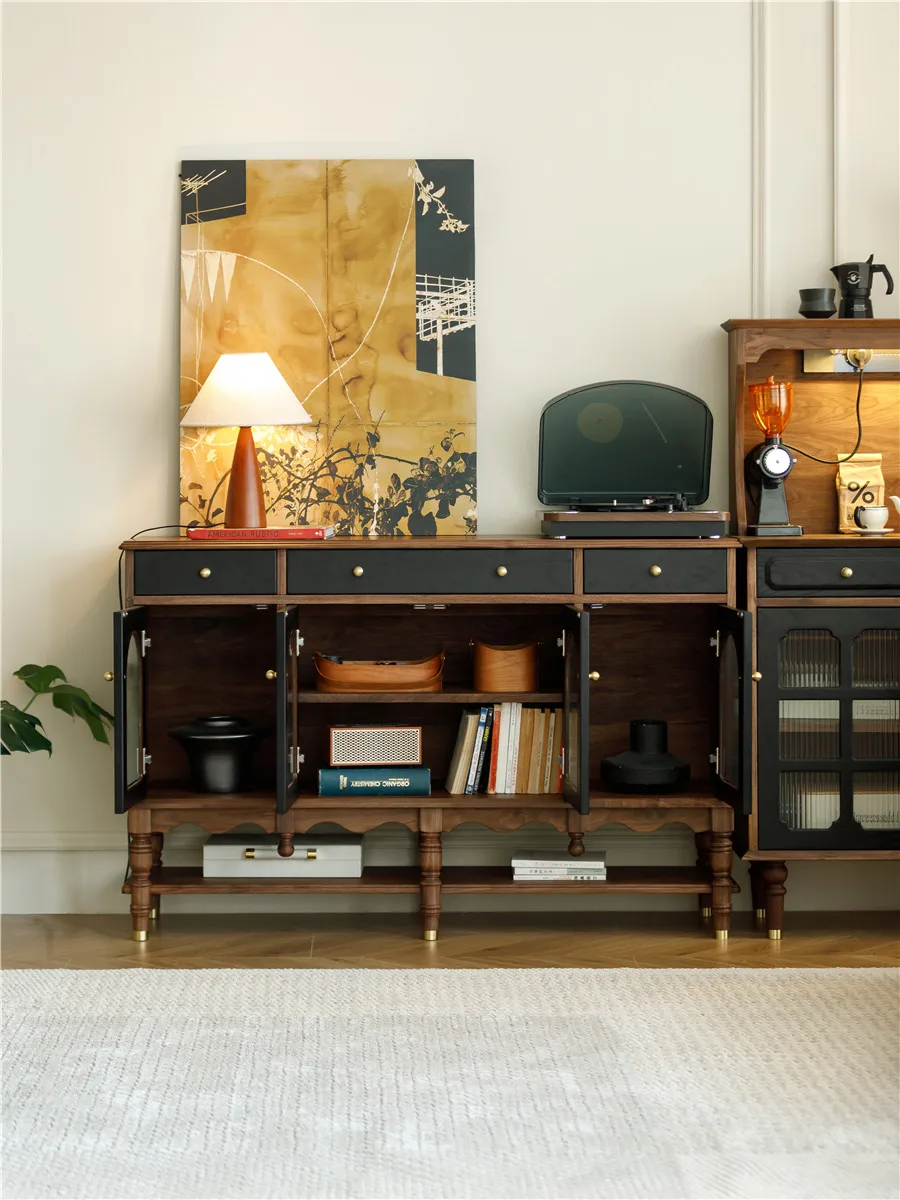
[624, 209]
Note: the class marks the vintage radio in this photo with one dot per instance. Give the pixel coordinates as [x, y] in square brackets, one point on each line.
[375, 745]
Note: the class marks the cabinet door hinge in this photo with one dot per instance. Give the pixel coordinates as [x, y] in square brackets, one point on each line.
[144, 761]
[561, 642]
[714, 641]
[714, 759]
[145, 643]
[298, 641]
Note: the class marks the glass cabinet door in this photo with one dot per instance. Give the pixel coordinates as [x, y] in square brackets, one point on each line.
[576, 711]
[287, 649]
[828, 719]
[130, 686]
[734, 746]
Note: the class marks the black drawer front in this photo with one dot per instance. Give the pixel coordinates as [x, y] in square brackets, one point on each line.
[648, 572]
[825, 572]
[180, 573]
[429, 572]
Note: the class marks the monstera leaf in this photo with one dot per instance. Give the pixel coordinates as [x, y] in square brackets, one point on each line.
[24, 732]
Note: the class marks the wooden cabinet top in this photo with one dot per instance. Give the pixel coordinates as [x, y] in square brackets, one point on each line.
[473, 542]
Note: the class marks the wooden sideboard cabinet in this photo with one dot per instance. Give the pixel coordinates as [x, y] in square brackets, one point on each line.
[625, 629]
[825, 609]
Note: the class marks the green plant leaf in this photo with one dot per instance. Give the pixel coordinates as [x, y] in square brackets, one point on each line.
[39, 679]
[20, 731]
[77, 703]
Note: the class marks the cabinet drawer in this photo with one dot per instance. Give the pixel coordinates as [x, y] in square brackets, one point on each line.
[850, 572]
[646, 572]
[178, 573]
[429, 572]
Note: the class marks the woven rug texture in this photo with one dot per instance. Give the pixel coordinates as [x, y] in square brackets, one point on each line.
[451, 1084]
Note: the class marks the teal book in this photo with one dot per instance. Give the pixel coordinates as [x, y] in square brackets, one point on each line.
[375, 781]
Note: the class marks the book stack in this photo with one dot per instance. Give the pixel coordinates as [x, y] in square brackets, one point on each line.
[549, 866]
[374, 781]
[507, 748]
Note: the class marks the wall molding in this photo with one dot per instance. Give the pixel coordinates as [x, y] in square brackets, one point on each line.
[840, 45]
[760, 143]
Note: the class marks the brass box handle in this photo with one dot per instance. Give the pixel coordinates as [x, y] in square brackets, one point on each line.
[311, 853]
[250, 853]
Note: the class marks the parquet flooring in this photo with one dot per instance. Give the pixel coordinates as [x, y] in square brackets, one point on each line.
[467, 940]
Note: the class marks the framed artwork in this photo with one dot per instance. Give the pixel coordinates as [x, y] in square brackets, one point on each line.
[358, 278]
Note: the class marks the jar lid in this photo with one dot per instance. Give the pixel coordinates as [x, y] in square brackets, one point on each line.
[215, 727]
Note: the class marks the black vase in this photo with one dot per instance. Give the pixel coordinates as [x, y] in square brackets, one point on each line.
[817, 302]
[220, 752]
[647, 766]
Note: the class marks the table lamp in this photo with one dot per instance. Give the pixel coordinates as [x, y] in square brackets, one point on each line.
[245, 390]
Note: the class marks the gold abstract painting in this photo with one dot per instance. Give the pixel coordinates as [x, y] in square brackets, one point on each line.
[358, 278]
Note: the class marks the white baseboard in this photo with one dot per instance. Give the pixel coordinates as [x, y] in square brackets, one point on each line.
[75, 872]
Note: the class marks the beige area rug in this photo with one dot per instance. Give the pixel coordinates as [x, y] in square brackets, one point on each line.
[488, 1083]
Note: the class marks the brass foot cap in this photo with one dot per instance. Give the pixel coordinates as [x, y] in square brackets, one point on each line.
[430, 935]
[721, 935]
[774, 935]
[154, 914]
[139, 935]
[760, 914]
[705, 912]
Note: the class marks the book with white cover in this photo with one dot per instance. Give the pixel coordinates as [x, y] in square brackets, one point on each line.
[552, 858]
[515, 723]
[527, 876]
[502, 750]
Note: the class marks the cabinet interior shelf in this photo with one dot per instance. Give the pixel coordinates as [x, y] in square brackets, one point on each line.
[690, 880]
[315, 697]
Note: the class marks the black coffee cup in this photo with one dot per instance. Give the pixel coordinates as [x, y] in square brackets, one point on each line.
[817, 302]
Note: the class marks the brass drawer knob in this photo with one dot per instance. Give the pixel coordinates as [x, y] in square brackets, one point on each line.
[656, 570]
[205, 572]
[357, 571]
[594, 676]
[756, 676]
[108, 676]
[271, 674]
[502, 572]
[846, 572]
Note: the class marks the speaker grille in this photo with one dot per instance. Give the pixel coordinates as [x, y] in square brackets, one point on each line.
[376, 746]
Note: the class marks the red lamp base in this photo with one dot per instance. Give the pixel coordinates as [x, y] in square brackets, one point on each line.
[245, 507]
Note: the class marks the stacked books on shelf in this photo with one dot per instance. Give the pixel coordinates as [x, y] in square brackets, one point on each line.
[270, 533]
[551, 866]
[507, 748]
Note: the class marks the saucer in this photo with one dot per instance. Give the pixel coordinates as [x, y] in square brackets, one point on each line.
[875, 532]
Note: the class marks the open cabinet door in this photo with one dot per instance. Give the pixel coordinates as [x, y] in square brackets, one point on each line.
[287, 722]
[130, 644]
[735, 732]
[576, 710]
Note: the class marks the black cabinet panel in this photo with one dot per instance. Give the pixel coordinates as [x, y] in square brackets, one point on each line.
[429, 572]
[647, 572]
[181, 573]
[824, 572]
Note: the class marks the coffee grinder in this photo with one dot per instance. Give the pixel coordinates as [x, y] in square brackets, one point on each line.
[768, 465]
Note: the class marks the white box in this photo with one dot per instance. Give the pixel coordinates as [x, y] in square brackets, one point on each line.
[255, 856]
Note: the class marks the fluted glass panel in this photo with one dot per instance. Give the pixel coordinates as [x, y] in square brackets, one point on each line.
[809, 658]
[809, 728]
[876, 658]
[876, 729]
[876, 799]
[810, 799]
[729, 713]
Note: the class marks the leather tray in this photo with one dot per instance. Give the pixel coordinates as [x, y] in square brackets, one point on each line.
[419, 675]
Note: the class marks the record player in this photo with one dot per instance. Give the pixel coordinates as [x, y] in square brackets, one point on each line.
[627, 459]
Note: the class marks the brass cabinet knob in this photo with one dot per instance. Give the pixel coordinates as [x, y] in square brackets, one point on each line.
[108, 676]
[271, 674]
[656, 570]
[756, 676]
[502, 571]
[846, 572]
[205, 572]
[594, 676]
[357, 571]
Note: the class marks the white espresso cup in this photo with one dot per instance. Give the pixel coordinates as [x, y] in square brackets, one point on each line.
[871, 518]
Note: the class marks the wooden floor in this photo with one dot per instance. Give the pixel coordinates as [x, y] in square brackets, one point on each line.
[466, 940]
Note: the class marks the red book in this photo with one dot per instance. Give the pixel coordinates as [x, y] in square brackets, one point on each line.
[495, 745]
[278, 533]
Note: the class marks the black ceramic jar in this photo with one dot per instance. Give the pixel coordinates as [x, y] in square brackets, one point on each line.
[220, 752]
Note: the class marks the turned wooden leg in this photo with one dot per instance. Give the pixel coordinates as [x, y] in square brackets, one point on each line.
[576, 844]
[720, 856]
[156, 840]
[430, 883]
[285, 844]
[774, 874]
[758, 890]
[701, 841]
[140, 860]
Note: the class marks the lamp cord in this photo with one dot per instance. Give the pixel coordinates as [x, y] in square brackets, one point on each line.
[833, 462]
[150, 529]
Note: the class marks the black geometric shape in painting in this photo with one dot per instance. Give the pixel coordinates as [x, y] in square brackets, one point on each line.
[212, 191]
[445, 267]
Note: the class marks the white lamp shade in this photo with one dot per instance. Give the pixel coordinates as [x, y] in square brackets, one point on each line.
[246, 389]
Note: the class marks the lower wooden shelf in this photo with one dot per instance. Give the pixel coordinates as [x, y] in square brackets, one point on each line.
[386, 880]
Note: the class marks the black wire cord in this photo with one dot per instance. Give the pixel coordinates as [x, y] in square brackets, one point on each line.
[150, 529]
[833, 462]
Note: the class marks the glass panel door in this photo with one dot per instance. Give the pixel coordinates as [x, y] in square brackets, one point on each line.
[828, 729]
[576, 712]
[734, 634]
[130, 685]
